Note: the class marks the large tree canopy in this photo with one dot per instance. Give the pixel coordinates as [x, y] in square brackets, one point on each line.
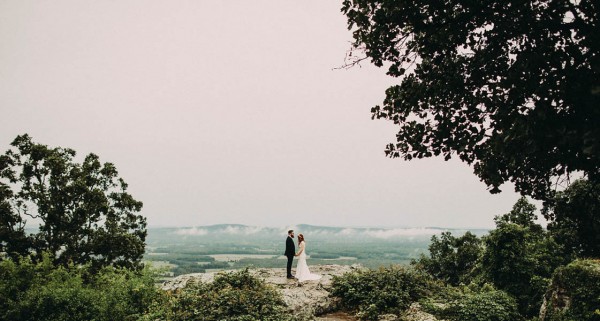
[510, 87]
[84, 212]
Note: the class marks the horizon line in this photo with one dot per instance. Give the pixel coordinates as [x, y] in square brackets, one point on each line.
[324, 226]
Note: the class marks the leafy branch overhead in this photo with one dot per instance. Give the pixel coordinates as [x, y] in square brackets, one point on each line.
[510, 87]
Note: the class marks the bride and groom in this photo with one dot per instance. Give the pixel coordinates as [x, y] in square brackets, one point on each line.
[302, 271]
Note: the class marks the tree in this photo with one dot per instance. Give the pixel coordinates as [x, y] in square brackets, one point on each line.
[84, 210]
[452, 259]
[510, 87]
[574, 216]
[522, 214]
[520, 256]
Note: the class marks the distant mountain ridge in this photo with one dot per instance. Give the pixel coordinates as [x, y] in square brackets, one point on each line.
[314, 231]
[239, 245]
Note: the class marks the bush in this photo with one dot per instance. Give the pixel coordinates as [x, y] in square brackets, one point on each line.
[483, 305]
[233, 296]
[579, 283]
[42, 291]
[371, 293]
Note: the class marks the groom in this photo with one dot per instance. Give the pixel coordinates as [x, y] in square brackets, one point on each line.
[290, 252]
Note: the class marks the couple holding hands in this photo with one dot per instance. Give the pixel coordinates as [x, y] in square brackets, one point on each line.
[302, 271]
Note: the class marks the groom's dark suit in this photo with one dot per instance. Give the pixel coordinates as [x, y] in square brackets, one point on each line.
[290, 251]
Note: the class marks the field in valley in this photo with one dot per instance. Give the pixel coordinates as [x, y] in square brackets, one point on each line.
[221, 247]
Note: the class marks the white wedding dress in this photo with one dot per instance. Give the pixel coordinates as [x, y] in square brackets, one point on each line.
[302, 271]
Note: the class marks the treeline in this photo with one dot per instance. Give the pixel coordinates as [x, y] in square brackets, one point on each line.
[184, 267]
[211, 249]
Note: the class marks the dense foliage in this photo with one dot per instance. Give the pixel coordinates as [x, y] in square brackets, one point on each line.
[452, 259]
[485, 304]
[574, 216]
[387, 290]
[84, 210]
[503, 276]
[45, 292]
[520, 257]
[510, 87]
[235, 296]
[579, 284]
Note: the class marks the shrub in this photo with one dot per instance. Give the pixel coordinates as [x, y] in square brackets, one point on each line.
[42, 291]
[233, 296]
[483, 305]
[371, 293]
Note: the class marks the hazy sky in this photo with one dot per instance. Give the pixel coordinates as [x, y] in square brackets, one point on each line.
[224, 112]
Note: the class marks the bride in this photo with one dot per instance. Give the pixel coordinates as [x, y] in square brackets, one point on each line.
[302, 271]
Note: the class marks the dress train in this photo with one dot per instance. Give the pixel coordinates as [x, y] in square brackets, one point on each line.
[302, 270]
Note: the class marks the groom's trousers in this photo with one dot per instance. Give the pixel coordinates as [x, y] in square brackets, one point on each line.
[289, 265]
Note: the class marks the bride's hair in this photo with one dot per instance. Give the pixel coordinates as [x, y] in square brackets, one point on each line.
[300, 238]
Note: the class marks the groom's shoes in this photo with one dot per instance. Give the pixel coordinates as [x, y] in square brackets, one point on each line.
[291, 277]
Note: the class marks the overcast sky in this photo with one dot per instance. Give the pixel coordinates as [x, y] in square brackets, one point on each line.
[224, 112]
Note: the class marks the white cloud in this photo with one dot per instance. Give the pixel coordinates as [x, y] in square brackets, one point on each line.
[401, 232]
[347, 231]
[191, 231]
[381, 233]
[245, 230]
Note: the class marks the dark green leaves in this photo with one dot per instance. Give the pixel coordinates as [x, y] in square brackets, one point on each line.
[574, 216]
[86, 214]
[508, 87]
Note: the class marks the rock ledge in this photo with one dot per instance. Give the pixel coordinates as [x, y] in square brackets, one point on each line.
[304, 299]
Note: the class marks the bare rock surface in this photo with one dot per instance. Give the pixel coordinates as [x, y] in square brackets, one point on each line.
[416, 313]
[336, 316]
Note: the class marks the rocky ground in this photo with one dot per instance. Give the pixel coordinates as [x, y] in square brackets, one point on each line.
[309, 300]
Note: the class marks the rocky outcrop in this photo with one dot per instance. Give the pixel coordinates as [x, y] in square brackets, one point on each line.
[416, 313]
[307, 300]
[556, 301]
[573, 292]
[304, 299]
